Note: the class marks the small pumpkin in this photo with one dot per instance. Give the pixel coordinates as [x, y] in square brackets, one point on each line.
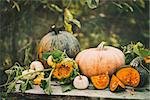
[80, 82]
[36, 65]
[61, 40]
[102, 59]
[116, 85]
[100, 81]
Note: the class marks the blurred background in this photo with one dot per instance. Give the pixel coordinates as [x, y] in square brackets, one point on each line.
[24, 22]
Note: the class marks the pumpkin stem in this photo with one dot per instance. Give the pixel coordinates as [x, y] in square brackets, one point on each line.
[55, 29]
[79, 76]
[101, 45]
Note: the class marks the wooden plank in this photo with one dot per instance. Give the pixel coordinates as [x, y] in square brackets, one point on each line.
[91, 93]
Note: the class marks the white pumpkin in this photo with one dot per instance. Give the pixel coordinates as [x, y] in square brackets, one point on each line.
[36, 65]
[81, 82]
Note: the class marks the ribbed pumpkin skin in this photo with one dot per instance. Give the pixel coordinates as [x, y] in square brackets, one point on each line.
[62, 41]
[95, 61]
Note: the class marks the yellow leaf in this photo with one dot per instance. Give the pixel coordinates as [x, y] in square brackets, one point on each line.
[67, 15]
[68, 27]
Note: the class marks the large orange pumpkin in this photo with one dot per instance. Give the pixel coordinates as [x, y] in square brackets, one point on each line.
[102, 59]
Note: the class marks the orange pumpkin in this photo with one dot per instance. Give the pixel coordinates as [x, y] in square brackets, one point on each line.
[102, 59]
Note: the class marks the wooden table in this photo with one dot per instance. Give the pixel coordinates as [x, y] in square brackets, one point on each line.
[57, 91]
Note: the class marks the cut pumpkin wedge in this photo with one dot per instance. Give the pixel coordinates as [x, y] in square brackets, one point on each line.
[116, 85]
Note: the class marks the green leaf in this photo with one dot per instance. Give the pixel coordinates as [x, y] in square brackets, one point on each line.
[128, 6]
[11, 87]
[46, 85]
[46, 55]
[118, 5]
[137, 47]
[44, 1]
[141, 3]
[91, 4]
[26, 85]
[16, 5]
[83, 2]
[75, 21]
[144, 52]
[56, 8]
[66, 87]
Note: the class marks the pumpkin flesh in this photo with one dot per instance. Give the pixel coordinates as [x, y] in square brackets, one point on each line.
[116, 85]
[100, 81]
[129, 76]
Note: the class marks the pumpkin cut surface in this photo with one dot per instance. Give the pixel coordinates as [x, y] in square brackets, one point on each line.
[100, 81]
[116, 85]
[129, 76]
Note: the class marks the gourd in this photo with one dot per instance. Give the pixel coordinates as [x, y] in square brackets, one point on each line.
[61, 40]
[36, 65]
[80, 82]
[129, 76]
[100, 81]
[102, 59]
[116, 85]
[135, 77]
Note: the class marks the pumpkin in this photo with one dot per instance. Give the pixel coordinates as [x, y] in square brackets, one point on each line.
[36, 65]
[80, 82]
[100, 81]
[144, 80]
[129, 76]
[102, 59]
[61, 40]
[135, 77]
[116, 85]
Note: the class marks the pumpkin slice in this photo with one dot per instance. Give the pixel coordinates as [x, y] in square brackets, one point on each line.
[129, 76]
[116, 85]
[100, 81]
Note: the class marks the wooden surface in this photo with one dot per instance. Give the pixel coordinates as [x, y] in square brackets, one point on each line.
[57, 91]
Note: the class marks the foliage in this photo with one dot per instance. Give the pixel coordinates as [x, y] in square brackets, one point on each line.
[132, 51]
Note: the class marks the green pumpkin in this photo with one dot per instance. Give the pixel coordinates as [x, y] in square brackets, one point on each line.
[61, 40]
